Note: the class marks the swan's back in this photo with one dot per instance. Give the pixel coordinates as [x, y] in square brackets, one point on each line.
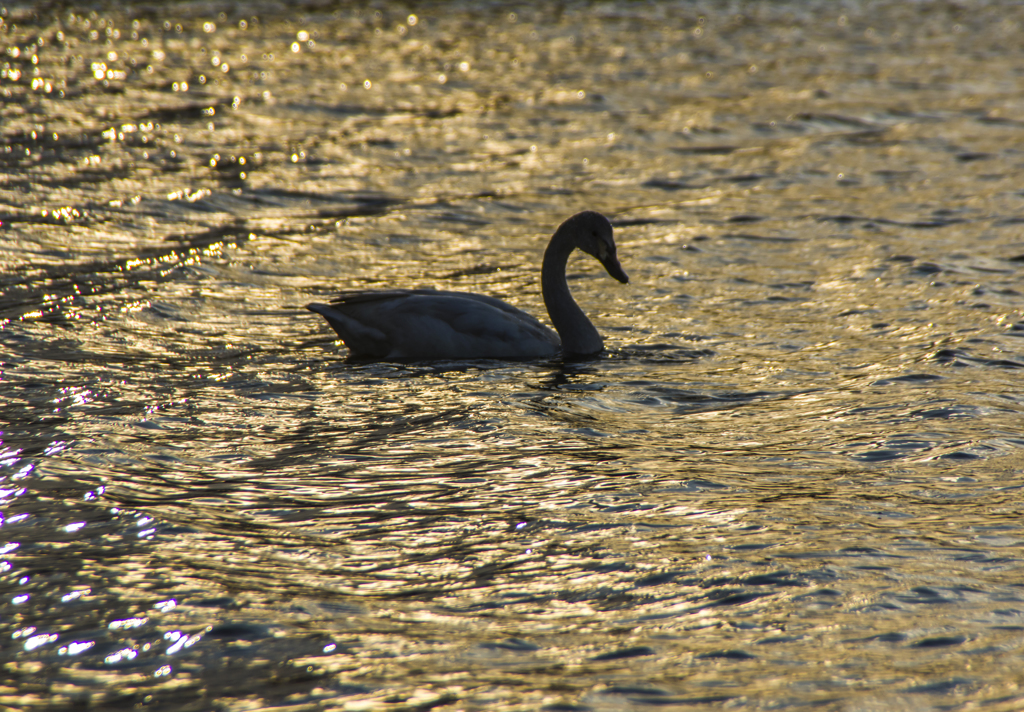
[426, 324]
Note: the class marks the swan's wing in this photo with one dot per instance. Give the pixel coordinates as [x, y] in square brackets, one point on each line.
[428, 324]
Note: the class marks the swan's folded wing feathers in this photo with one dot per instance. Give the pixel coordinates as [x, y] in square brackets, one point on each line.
[467, 317]
[484, 327]
[432, 324]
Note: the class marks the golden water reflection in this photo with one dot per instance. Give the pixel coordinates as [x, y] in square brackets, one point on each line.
[793, 479]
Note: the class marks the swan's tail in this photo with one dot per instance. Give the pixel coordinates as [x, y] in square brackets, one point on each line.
[359, 338]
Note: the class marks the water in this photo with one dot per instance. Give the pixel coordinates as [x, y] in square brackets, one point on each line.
[793, 480]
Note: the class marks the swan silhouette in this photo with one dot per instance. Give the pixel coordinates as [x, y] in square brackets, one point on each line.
[427, 324]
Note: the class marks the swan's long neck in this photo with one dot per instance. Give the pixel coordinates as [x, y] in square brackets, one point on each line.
[578, 335]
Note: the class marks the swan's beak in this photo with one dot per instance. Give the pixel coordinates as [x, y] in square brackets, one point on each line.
[611, 263]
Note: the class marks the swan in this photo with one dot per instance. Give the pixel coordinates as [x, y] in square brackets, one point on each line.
[428, 324]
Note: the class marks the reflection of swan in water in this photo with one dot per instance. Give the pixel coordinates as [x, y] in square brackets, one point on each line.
[425, 324]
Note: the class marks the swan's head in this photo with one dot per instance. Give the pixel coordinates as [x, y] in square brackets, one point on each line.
[591, 232]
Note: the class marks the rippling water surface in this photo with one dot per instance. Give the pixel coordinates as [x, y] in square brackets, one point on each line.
[794, 479]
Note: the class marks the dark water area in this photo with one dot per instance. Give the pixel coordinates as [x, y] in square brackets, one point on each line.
[793, 480]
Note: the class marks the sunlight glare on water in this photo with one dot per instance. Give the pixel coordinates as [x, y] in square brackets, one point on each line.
[794, 478]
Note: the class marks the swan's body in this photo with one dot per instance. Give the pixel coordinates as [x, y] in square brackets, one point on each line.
[425, 324]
